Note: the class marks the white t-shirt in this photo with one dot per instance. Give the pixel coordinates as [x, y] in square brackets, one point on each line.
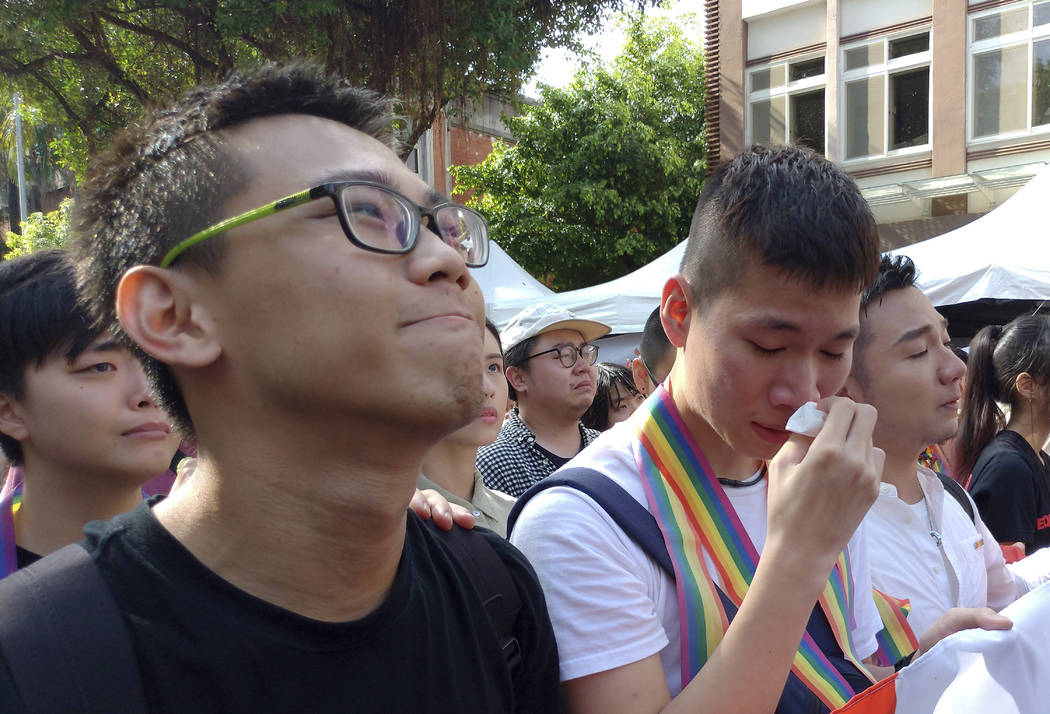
[610, 603]
[967, 570]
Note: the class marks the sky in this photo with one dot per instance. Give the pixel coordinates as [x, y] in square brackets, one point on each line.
[558, 65]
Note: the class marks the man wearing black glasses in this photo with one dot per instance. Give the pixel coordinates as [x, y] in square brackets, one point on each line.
[302, 304]
[550, 360]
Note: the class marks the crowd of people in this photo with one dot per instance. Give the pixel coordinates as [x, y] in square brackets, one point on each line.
[267, 454]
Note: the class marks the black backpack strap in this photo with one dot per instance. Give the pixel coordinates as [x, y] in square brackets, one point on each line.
[64, 639]
[958, 493]
[492, 581]
[631, 516]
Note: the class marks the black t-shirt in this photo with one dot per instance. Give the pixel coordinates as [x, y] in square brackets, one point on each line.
[204, 646]
[25, 558]
[558, 461]
[1011, 487]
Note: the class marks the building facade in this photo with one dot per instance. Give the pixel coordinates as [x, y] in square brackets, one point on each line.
[940, 109]
[460, 136]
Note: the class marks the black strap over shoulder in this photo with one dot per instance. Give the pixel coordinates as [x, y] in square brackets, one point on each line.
[65, 640]
[493, 583]
[958, 493]
[631, 516]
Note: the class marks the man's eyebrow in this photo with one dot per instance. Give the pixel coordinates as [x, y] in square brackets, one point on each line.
[433, 197]
[494, 355]
[776, 324]
[914, 333]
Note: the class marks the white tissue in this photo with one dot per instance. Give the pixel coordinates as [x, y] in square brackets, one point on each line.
[806, 420]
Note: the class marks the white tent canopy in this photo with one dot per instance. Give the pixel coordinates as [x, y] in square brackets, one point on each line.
[624, 304]
[1003, 254]
[502, 281]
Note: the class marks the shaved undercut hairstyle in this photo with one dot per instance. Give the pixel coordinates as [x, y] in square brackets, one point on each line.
[783, 207]
[171, 175]
[895, 273]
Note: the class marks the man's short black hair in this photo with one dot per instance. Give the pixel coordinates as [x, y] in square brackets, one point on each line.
[171, 175]
[783, 207]
[40, 317]
[655, 346]
[895, 273]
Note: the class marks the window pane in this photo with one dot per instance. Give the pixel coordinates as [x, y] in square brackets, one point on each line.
[760, 80]
[807, 120]
[865, 117]
[1041, 82]
[864, 56]
[1000, 92]
[1041, 14]
[910, 108]
[909, 45]
[777, 76]
[767, 121]
[1002, 23]
[807, 68]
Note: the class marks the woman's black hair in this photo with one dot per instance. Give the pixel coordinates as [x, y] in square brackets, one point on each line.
[609, 375]
[998, 355]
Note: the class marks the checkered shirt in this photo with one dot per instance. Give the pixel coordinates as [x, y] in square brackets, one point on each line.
[513, 462]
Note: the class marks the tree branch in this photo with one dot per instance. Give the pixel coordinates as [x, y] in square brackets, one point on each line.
[102, 58]
[163, 38]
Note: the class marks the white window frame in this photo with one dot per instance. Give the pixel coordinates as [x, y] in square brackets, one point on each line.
[800, 86]
[1015, 39]
[886, 69]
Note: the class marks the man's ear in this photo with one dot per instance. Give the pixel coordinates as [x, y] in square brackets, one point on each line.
[641, 378]
[516, 378]
[160, 310]
[676, 308]
[11, 423]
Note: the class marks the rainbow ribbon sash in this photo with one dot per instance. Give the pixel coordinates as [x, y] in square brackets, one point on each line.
[8, 554]
[896, 639]
[695, 516]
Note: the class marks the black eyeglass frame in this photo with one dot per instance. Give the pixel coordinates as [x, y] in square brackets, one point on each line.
[577, 353]
[332, 190]
[648, 371]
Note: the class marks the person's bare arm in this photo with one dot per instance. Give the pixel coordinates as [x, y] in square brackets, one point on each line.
[819, 491]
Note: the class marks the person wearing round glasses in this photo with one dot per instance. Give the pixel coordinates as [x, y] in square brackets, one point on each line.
[550, 358]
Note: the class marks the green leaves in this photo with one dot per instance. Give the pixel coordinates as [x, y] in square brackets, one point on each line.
[606, 173]
[41, 231]
[91, 65]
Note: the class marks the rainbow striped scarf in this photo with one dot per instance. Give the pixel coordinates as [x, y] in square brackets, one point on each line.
[8, 554]
[695, 516]
[896, 639]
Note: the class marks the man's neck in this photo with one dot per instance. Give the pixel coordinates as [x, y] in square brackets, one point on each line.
[451, 466]
[558, 433]
[900, 470]
[299, 515]
[56, 504]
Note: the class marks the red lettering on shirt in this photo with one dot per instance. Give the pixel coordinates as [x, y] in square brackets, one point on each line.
[1042, 522]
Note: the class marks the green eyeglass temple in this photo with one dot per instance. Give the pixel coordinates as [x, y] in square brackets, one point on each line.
[329, 190]
[296, 199]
